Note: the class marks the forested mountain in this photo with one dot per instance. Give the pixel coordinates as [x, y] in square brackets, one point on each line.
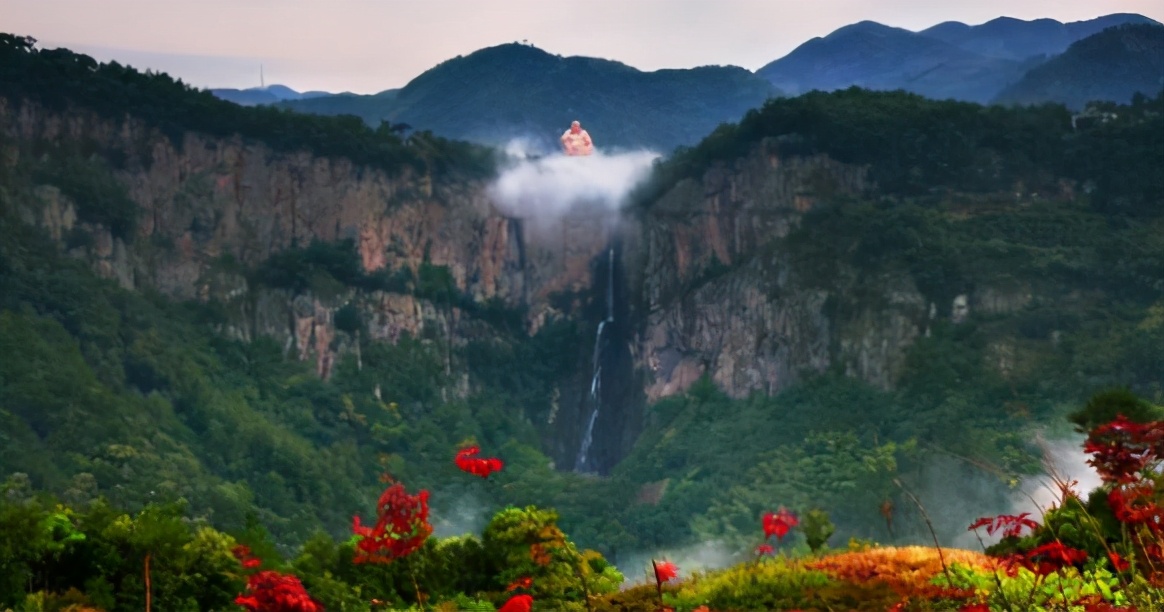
[518, 91]
[245, 317]
[949, 60]
[1113, 65]
[269, 94]
[1017, 39]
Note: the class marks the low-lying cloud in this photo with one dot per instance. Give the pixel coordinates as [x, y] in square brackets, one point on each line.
[543, 190]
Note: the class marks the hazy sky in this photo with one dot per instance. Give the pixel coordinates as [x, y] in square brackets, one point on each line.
[367, 46]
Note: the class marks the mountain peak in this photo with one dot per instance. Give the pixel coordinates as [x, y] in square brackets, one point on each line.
[864, 27]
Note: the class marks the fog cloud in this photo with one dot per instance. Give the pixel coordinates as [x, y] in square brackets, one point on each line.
[543, 190]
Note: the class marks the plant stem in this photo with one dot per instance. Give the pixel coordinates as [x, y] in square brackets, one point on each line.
[416, 586]
[147, 581]
[658, 585]
[930, 525]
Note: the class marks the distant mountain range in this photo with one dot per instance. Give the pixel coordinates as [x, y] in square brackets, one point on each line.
[1015, 39]
[949, 60]
[270, 94]
[518, 91]
[1111, 65]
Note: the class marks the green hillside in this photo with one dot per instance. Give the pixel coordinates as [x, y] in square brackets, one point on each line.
[1111, 66]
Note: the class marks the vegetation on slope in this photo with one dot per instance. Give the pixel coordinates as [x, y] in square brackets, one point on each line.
[60, 79]
[914, 146]
[1099, 554]
[134, 398]
[1113, 66]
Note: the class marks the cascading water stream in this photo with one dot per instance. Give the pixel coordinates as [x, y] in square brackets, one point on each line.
[596, 368]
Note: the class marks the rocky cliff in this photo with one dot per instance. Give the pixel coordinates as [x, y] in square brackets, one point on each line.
[704, 282]
[723, 294]
[211, 208]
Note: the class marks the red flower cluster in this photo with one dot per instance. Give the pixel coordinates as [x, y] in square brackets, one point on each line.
[517, 603]
[664, 571]
[1046, 559]
[764, 549]
[1010, 525]
[270, 591]
[1128, 456]
[244, 555]
[1123, 451]
[402, 527]
[1135, 503]
[477, 466]
[779, 524]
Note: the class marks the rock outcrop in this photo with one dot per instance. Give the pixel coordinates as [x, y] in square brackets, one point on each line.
[210, 207]
[724, 298]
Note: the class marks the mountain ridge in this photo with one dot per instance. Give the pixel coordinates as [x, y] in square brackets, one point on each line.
[948, 60]
[510, 91]
[1112, 65]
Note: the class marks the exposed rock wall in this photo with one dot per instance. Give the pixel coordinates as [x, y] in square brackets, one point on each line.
[723, 297]
[210, 197]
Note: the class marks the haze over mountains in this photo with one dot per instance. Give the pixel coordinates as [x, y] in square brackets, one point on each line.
[516, 91]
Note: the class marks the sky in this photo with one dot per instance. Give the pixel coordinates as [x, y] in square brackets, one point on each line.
[367, 46]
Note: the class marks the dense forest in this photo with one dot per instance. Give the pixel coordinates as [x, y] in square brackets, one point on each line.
[133, 432]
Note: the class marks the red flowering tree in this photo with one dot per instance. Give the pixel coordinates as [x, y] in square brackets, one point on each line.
[779, 523]
[1129, 457]
[401, 527]
[271, 591]
[467, 460]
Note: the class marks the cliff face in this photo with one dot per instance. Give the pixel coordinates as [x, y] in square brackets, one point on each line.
[703, 281]
[211, 198]
[723, 294]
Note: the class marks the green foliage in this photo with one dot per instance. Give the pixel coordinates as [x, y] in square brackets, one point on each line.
[817, 528]
[60, 79]
[528, 542]
[915, 146]
[1105, 406]
[1029, 591]
[100, 556]
[775, 584]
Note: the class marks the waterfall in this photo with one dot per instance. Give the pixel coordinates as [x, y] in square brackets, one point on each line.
[596, 367]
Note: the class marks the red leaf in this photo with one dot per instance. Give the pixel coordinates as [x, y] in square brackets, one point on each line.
[665, 570]
[477, 466]
[1010, 525]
